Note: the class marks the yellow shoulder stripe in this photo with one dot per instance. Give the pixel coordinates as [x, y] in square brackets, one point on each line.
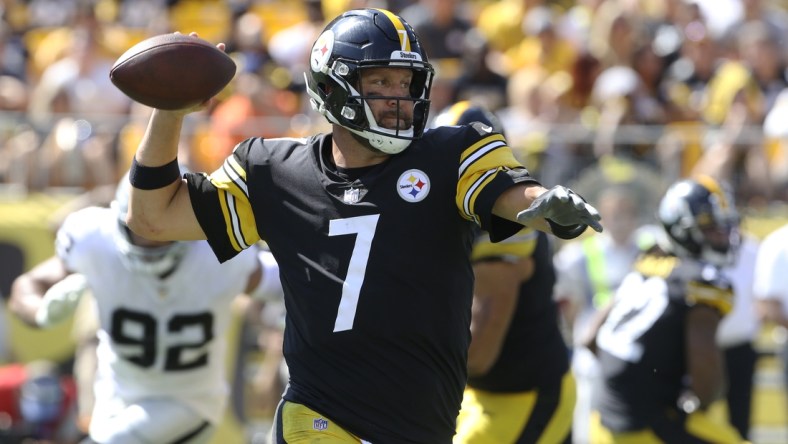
[233, 194]
[478, 166]
[719, 298]
[478, 153]
[656, 266]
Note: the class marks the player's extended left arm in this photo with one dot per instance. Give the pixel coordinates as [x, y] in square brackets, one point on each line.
[557, 210]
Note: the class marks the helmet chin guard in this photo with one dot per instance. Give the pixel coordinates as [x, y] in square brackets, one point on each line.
[157, 261]
[363, 39]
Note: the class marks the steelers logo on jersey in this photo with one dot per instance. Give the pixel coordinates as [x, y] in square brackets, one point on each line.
[413, 185]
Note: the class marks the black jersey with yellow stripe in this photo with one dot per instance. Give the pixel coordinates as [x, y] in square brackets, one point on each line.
[375, 268]
[534, 353]
[642, 352]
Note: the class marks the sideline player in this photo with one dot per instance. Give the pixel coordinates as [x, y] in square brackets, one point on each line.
[660, 363]
[514, 325]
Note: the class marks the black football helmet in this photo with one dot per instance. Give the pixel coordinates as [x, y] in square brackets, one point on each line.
[700, 220]
[465, 112]
[360, 39]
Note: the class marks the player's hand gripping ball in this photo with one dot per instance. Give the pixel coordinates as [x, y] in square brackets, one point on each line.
[172, 71]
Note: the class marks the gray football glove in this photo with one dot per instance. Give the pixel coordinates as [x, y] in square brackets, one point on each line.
[562, 206]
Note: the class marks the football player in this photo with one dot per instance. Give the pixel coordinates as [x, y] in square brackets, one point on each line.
[514, 324]
[660, 364]
[770, 285]
[371, 225]
[163, 309]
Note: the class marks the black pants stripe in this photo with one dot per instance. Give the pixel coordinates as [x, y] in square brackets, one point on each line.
[185, 438]
[278, 433]
[740, 365]
[547, 402]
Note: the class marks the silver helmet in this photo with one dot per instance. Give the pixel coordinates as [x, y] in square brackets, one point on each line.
[158, 260]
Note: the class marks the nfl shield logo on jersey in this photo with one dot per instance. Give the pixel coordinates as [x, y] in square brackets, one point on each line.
[352, 195]
[319, 424]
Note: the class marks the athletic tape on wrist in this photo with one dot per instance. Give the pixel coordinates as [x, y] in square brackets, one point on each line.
[152, 178]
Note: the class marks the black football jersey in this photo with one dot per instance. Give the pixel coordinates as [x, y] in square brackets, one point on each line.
[642, 352]
[375, 268]
[533, 353]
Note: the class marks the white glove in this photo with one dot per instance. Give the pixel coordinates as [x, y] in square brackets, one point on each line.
[60, 301]
[562, 206]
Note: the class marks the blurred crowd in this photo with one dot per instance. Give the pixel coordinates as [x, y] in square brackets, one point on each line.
[590, 93]
[670, 85]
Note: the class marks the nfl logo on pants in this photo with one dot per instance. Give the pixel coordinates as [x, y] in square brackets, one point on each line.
[319, 424]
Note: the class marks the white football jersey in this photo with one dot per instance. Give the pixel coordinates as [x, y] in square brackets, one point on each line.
[157, 337]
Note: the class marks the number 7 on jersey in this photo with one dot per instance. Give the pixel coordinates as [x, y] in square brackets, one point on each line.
[364, 229]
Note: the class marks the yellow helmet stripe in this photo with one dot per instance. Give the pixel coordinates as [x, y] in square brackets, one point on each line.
[403, 33]
[714, 187]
